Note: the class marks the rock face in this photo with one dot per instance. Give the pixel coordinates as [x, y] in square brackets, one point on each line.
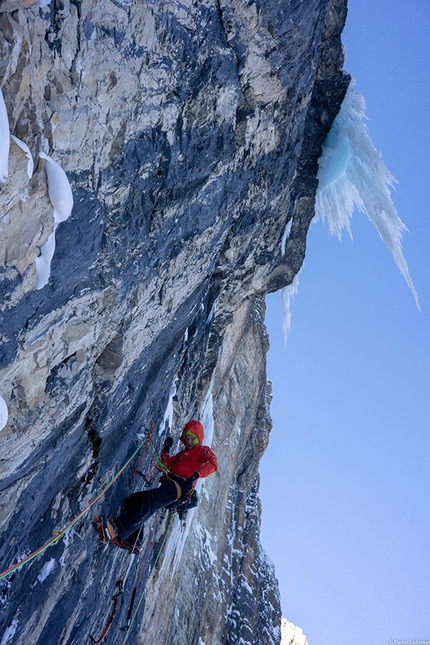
[190, 133]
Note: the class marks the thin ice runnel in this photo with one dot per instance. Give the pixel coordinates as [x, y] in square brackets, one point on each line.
[287, 293]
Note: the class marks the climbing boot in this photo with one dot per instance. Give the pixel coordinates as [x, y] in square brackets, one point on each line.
[112, 530]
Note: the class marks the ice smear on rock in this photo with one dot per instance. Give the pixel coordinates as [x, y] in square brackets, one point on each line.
[43, 261]
[352, 174]
[207, 417]
[4, 139]
[3, 413]
[9, 633]
[46, 570]
[180, 532]
[286, 235]
[168, 414]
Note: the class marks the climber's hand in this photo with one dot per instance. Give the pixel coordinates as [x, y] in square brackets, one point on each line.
[190, 481]
[168, 444]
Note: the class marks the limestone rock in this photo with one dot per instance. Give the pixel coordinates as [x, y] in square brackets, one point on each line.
[190, 133]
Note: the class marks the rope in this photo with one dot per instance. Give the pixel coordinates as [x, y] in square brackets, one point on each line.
[155, 458]
[59, 534]
[147, 581]
[150, 431]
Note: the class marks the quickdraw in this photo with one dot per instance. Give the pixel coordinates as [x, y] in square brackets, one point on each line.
[115, 598]
[121, 586]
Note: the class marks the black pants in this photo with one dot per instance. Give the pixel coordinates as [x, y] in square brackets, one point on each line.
[139, 507]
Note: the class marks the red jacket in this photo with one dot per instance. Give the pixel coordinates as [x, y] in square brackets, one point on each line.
[199, 459]
[185, 463]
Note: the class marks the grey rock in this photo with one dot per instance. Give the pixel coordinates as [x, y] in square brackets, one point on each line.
[190, 133]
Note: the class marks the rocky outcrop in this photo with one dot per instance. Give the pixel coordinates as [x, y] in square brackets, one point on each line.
[190, 134]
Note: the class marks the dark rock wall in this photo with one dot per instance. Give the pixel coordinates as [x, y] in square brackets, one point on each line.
[190, 133]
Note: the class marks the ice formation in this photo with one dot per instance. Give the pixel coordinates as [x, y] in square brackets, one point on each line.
[9, 632]
[61, 198]
[3, 413]
[4, 139]
[59, 189]
[286, 235]
[352, 174]
[180, 532]
[47, 568]
[168, 414]
[207, 416]
[43, 261]
[26, 149]
[286, 294]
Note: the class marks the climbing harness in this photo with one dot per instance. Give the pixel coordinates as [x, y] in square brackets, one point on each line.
[146, 443]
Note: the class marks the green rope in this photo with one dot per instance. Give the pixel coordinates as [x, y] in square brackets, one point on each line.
[60, 534]
[156, 459]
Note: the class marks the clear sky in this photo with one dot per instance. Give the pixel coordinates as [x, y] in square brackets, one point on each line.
[346, 478]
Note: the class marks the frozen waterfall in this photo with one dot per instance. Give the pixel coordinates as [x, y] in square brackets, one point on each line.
[352, 175]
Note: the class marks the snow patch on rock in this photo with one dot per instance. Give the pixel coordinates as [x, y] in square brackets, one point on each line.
[3, 413]
[4, 139]
[47, 568]
[60, 194]
[291, 635]
[59, 190]
[9, 633]
[24, 147]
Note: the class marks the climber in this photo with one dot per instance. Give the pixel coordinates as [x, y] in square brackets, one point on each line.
[177, 485]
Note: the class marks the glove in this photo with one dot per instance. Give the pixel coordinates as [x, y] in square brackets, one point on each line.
[190, 481]
[168, 444]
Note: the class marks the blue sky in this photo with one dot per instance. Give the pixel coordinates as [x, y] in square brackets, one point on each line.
[346, 478]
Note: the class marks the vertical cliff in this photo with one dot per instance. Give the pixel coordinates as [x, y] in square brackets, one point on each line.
[189, 132]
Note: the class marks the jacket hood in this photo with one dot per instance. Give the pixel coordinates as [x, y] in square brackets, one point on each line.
[196, 428]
